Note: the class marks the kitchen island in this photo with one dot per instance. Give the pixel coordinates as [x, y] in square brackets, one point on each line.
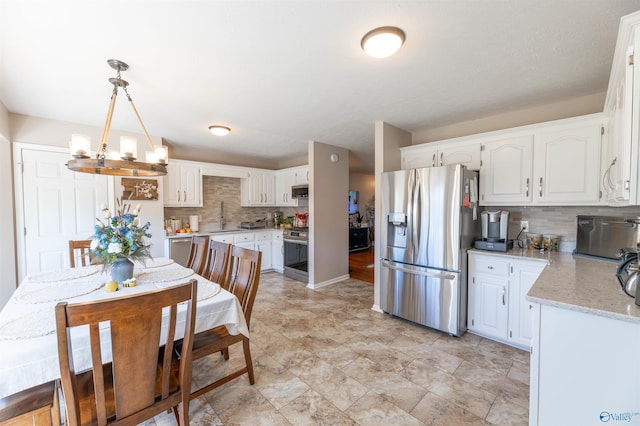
[585, 356]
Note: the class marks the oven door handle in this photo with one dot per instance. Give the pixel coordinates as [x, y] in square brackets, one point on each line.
[301, 242]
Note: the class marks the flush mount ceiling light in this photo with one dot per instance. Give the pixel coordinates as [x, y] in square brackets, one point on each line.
[121, 163]
[382, 42]
[219, 130]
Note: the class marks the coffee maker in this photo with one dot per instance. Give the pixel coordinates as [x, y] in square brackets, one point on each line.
[495, 229]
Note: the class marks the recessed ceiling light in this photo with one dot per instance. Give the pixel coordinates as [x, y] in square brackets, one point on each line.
[382, 42]
[219, 130]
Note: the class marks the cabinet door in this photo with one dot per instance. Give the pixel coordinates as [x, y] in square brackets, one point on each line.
[488, 308]
[172, 193]
[284, 182]
[523, 275]
[468, 155]
[191, 186]
[277, 252]
[423, 157]
[269, 189]
[265, 248]
[301, 176]
[567, 166]
[505, 175]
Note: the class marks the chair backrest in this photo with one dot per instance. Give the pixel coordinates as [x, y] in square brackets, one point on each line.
[140, 388]
[215, 267]
[198, 253]
[83, 253]
[243, 276]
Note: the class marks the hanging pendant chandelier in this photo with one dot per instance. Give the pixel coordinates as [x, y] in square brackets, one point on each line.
[123, 162]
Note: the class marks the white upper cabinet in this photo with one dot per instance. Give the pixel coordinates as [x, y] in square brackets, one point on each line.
[556, 163]
[620, 157]
[183, 184]
[505, 176]
[566, 164]
[258, 189]
[285, 179]
[436, 154]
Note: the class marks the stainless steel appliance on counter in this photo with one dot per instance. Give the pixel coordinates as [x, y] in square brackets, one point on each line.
[296, 253]
[430, 220]
[604, 236]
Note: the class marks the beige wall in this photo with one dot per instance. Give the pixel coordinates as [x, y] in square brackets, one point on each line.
[329, 239]
[43, 131]
[388, 139]
[365, 184]
[517, 117]
[8, 266]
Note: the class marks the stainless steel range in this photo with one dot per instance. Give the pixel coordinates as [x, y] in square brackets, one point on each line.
[296, 253]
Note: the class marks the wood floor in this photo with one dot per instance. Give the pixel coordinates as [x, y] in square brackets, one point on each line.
[361, 265]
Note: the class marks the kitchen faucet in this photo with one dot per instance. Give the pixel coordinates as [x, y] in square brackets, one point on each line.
[221, 215]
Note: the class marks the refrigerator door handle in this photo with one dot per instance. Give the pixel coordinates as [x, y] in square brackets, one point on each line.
[416, 211]
[396, 267]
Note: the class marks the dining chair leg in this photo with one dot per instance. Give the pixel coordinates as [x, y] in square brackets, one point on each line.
[247, 358]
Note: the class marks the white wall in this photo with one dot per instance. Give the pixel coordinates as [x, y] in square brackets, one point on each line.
[8, 266]
[328, 215]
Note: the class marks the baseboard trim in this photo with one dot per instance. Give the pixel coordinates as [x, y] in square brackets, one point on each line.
[328, 282]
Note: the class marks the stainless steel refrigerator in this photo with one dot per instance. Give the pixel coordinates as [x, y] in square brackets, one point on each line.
[430, 220]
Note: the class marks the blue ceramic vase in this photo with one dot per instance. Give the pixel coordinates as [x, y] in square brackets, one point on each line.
[121, 270]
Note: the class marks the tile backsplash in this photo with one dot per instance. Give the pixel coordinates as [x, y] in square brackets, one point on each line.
[561, 221]
[216, 189]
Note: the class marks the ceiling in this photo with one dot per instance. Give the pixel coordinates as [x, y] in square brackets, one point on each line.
[282, 73]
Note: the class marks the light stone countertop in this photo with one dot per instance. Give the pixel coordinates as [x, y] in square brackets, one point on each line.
[226, 231]
[579, 284]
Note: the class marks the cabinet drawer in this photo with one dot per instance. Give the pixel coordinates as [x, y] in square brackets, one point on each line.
[277, 236]
[224, 238]
[491, 266]
[243, 238]
[264, 236]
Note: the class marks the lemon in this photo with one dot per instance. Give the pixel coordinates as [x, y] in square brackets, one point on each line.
[111, 287]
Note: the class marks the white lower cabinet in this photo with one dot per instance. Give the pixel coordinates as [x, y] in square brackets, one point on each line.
[263, 244]
[497, 287]
[269, 242]
[277, 252]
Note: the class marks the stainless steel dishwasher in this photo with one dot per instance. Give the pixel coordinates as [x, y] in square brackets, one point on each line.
[179, 250]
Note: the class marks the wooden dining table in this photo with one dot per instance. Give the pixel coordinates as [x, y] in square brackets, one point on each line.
[28, 342]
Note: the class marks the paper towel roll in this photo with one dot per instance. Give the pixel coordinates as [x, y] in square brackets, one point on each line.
[193, 223]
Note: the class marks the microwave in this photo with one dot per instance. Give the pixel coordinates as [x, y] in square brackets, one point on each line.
[300, 191]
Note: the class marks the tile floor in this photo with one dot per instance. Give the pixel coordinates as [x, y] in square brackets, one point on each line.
[324, 357]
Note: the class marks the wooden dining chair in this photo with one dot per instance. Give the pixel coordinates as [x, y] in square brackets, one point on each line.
[80, 250]
[38, 405]
[198, 253]
[144, 378]
[215, 267]
[243, 276]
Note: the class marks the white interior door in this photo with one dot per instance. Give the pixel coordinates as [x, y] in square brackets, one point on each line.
[58, 205]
